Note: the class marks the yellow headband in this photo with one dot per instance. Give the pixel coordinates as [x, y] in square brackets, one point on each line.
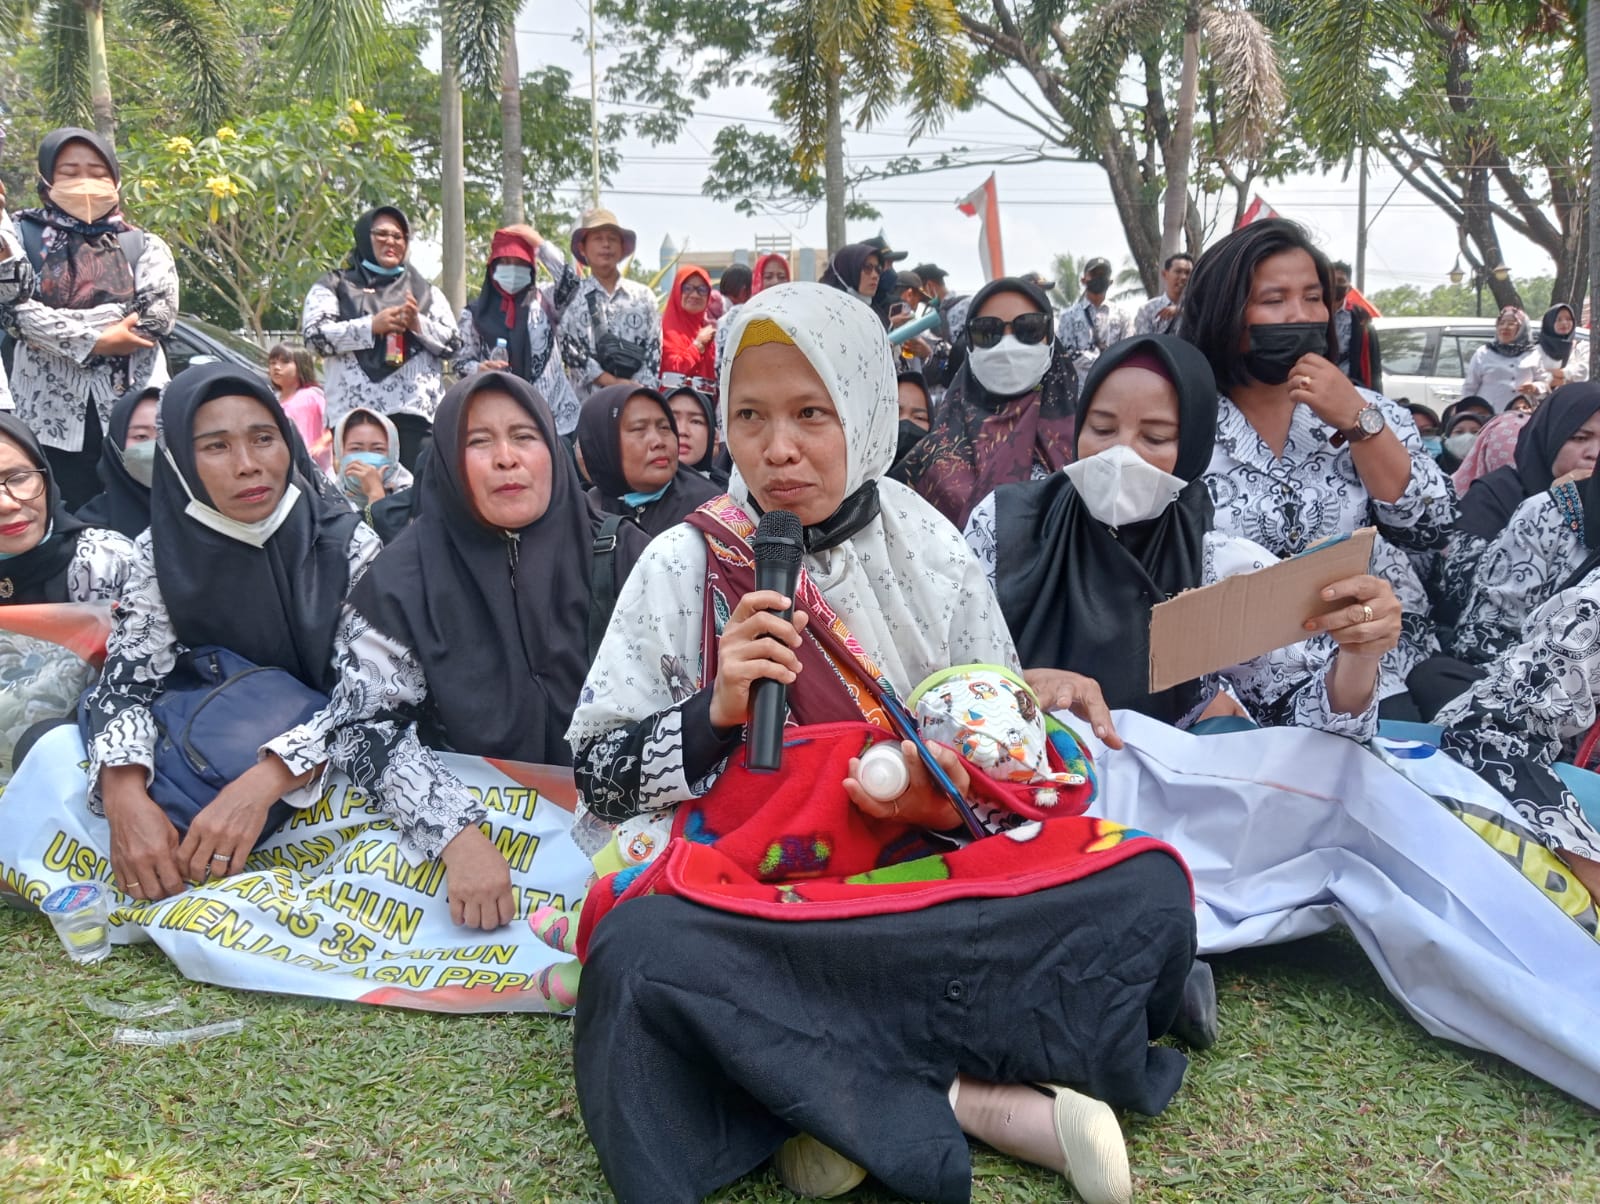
[761, 332]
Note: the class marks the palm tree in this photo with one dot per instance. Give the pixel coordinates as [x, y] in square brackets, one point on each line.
[198, 33]
[338, 45]
[875, 52]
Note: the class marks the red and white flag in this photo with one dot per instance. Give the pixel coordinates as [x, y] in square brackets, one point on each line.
[1257, 211]
[984, 204]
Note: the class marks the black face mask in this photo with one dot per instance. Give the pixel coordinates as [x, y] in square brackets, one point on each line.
[911, 434]
[1275, 349]
[1098, 284]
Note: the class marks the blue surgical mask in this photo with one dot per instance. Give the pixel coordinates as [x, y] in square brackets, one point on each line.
[513, 277]
[1434, 444]
[378, 460]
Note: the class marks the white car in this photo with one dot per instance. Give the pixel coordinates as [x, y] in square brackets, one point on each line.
[1425, 359]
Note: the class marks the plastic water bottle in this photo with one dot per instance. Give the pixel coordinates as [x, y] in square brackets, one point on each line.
[883, 772]
[499, 354]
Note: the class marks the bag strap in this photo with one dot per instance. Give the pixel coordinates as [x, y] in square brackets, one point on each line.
[32, 231]
[1586, 749]
[603, 581]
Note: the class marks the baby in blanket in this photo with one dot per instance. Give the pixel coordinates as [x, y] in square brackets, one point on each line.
[984, 712]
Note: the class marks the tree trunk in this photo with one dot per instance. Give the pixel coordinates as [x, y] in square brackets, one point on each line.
[511, 208]
[1180, 148]
[833, 183]
[1592, 36]
[453, 208]
[1138, 216]
[105, 116]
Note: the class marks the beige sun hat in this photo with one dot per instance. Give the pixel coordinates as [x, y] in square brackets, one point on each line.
[602, 219]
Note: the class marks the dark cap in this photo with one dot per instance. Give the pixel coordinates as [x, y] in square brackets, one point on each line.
[881, 245]
[1097, 264]
[930, 271]
[1037, 280]
[909, 280]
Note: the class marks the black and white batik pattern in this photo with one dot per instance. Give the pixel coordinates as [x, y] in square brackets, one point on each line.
[141, 652]
[1312, 492]
[1532, 709]
[546, 372]
[369, 731]
[1456, 573]
[1085, 330]
[100, 567]
[417, 385]
[55, 373]
[1285, 688]
[1532, 559]
[1149, 320]
[630, 313]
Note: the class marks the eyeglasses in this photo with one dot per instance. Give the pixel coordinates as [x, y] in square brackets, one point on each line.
[873, 266]
[388, 236]
[694, 290]
[23, 486]
[1028, 328]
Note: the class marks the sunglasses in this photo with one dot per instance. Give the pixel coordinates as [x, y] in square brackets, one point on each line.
[1028, 328]
[694, 290]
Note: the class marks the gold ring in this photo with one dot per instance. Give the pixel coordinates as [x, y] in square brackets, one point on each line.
[229, 856]
[1366, 614]
[133, 887]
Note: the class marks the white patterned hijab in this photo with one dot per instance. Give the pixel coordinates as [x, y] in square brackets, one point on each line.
[906, 584]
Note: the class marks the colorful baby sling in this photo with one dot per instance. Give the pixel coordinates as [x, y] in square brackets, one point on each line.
[792, 846]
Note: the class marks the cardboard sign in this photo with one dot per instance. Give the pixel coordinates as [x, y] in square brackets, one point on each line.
[1242, 617]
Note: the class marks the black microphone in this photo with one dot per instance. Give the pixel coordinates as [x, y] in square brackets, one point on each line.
[779, 543]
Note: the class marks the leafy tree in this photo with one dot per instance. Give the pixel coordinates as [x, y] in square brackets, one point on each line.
[197, 33]
[256, 212]
[817, 57]
[1473, 104]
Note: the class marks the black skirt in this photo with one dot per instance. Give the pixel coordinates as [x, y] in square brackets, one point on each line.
[704, 1039]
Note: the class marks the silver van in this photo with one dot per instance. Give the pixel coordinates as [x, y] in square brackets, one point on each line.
[1425, 359]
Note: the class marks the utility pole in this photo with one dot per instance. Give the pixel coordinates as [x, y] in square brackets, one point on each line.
[1361, 224]
[594, 117]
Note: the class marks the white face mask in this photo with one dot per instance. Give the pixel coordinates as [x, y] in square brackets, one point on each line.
[1459, 445]
[513, 277]
[1010, 368]
[255, 534]
[1120, 487]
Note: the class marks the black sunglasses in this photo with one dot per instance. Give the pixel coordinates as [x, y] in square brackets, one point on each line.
[1029, 329]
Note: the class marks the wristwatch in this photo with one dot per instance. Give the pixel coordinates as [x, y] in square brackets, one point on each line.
[1369, 422]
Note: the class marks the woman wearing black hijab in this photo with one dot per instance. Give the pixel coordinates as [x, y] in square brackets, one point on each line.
[249, 548]
[1555, 365]
[105, 295]
[1007, 415]
[692, 410]
[383, 331]
[855, 269]
[629, 440]
[1080, 558]
[1531, 517]
[127, 465]
[469, 632]
[49, 556]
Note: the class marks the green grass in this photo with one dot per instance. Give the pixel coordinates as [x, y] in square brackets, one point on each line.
[1321, 1089]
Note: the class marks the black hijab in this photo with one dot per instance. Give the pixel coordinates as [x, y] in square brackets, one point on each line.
[844, 269]
[1557, 346]
[1494, 497]
[84, 265]
[600, 437]
[497, 619]
[40, 573]
[362, 292]
[1078, 597]
[706, 465]
[123, 504]
[276, 605]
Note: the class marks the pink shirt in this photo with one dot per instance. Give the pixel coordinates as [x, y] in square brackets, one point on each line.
[305, 408]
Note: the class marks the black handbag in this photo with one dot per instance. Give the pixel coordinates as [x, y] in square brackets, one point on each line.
[619, 356]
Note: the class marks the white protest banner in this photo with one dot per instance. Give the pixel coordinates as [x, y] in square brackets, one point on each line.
[329, 906]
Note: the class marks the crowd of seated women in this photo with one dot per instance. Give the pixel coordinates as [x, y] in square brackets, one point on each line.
[1030, 521]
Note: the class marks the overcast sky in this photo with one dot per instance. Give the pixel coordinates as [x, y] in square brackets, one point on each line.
[1046, 208]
